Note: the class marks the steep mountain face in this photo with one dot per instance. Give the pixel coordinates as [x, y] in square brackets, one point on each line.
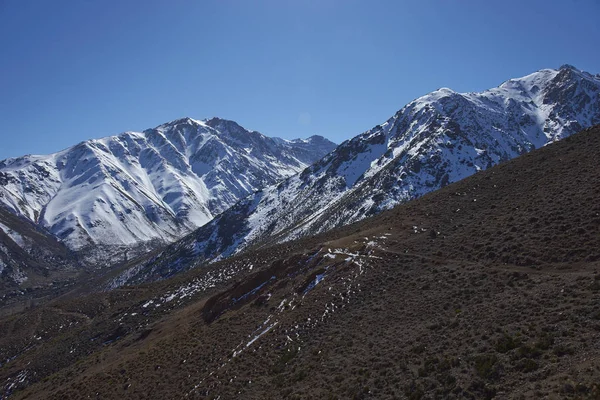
[437, 139]
[123, 192]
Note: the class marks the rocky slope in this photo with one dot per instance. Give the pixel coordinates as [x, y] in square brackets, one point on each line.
[116, 194]
[487, 288]
[31, 259]
[437, 139]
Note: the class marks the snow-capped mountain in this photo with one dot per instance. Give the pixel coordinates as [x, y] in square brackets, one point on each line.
[123, 192]
[437, 139]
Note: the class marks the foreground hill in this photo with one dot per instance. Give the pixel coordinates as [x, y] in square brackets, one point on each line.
[124, 193]
[435, 140]
[487, 288]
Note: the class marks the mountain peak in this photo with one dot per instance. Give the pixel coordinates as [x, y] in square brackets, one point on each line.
[231, 129]
[180, 121]
[317, 138]
[568, 66]
[216, 121]
[213, 120]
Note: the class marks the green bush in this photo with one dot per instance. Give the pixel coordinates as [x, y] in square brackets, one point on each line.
[527, 365]
[506, 343]
[486, 366]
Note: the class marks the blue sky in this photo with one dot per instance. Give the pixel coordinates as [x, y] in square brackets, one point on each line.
[81, 69]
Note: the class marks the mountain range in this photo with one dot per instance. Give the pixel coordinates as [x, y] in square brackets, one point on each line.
[209, 189]
[485, 289]
[113, 198]
[434, 140]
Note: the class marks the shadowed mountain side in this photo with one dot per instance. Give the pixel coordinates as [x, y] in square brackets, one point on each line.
[33, 263]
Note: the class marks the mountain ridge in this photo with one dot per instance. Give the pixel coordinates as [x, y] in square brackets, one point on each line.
[434, 140]
[106, 196]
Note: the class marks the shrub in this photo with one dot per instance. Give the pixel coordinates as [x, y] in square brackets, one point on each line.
[527, 365]
[563, 350]
[506, 343]
[486, 366]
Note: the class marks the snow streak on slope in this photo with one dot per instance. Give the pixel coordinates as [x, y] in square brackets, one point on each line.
[135, 188]
[437, 139]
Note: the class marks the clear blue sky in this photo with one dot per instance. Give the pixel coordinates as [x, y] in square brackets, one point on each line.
[80, 69]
